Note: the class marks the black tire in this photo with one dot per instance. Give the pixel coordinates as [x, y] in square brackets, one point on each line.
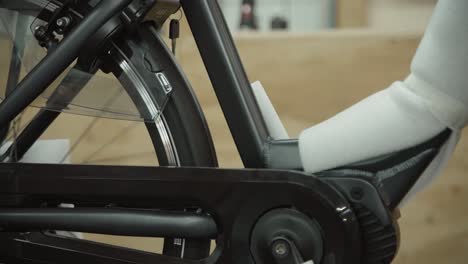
[182, 114]
[191, 144]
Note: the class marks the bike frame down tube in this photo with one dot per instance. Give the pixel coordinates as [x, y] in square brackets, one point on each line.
[229, 80]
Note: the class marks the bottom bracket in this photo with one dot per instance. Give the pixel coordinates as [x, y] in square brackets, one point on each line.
[289, 225]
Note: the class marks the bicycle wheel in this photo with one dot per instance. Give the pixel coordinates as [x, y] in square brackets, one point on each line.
[179, 133]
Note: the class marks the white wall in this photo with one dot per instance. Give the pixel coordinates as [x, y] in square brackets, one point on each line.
[303, 15]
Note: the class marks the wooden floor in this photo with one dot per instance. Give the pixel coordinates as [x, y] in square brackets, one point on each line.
[309, 78]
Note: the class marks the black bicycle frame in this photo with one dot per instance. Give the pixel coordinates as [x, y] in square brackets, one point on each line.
[235, 199]
[229, 79]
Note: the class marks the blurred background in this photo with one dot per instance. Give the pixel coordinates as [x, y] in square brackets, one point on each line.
[314, 58]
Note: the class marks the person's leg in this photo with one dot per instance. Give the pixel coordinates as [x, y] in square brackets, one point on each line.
[407, 113]
[439, 71]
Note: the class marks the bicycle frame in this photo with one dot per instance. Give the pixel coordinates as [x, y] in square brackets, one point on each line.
[234, 198]
[222, 193]
[229, 79]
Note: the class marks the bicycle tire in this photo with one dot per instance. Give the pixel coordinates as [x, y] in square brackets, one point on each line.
[182, 114]
[180, 135]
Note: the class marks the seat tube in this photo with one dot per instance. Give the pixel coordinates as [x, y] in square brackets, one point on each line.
[229, 79]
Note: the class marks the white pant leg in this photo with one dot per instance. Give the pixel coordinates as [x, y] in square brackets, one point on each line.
[386, 122]
[439, 71]
[408, 113]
